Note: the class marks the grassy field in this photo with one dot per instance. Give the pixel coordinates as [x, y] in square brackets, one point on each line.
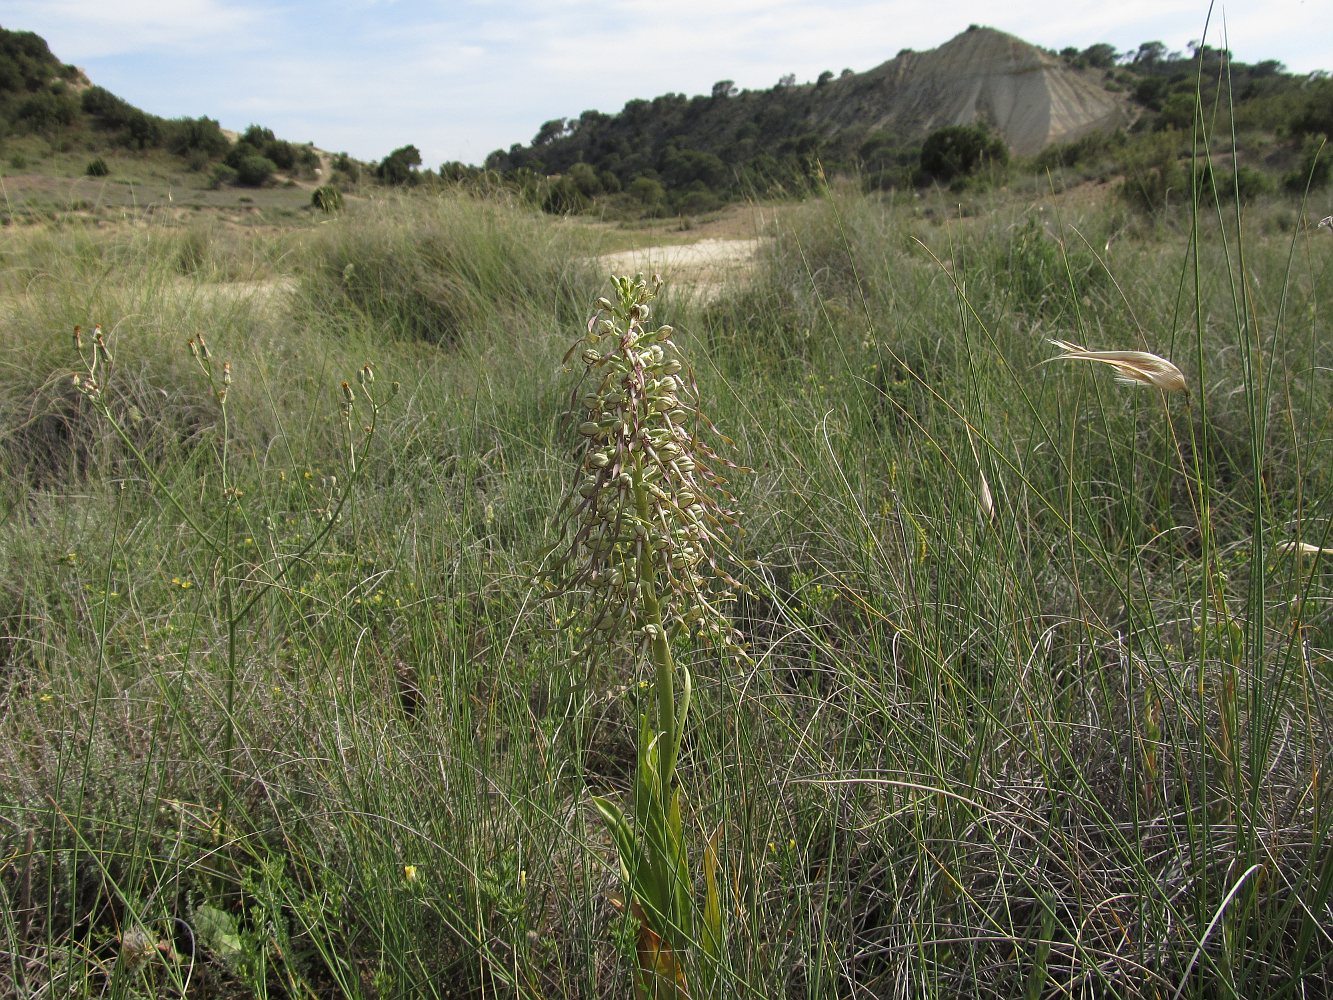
[1038, 663]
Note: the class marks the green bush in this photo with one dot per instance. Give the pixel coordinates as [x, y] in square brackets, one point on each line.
[960, 151]
[191, 137]
[1313, 171]
[97, 168]
[47, 110]
[109, 110]
[1244, 184]
[221, 176]
[348, 167]
[1154, 174]
[648, 192]
[252, 170]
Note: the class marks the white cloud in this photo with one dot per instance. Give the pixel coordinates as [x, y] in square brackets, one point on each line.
[79, 30]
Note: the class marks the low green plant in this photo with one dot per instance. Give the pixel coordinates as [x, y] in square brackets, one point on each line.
[648, 508]
[327, 198]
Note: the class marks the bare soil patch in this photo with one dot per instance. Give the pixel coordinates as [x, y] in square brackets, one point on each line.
[702, 269]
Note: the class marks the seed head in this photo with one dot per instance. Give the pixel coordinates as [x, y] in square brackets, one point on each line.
[136, 947]
[1137, 368]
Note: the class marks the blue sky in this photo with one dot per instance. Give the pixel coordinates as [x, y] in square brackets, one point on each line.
[459, 78]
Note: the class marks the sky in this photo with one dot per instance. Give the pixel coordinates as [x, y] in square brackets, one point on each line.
[459, 78]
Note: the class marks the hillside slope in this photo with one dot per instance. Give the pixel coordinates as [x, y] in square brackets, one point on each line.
[778, 139]
[1029, 97]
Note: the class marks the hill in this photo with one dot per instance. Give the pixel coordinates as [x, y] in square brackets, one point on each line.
[981, 98]
[59, 132]
[1029, 97]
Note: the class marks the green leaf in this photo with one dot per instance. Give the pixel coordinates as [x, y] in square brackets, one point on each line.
[682, 709]
[216, 929]
[631, 856]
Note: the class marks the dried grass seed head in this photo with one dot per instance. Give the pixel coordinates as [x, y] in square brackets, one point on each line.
[1137, 368]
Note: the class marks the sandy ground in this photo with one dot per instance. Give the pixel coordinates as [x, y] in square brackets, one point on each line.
[702, 268]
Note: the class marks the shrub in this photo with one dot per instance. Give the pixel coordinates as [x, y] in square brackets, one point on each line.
[648, 192]
[47, 110]
[1246, 184]
[1313, 171]
[1153, 173]
[221, 176]
[252, 170]
[106, 107]
[1315, 115]
[189, 137]
[960, 151]
[348, 167]
[97, 168]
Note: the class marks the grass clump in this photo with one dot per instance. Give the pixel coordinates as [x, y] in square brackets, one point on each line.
[438, 272]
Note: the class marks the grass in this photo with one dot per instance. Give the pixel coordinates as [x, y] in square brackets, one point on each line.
[1073, 747]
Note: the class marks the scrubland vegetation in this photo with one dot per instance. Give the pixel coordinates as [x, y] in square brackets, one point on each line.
[1038, 665]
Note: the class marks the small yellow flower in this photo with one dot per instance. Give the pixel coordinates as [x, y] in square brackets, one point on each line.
[410, 873]
[1131, 367]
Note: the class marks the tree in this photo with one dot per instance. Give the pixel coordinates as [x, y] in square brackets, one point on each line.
[1150, 54]
[141, 130]
[399, 167]
[824, 78]
[1099, 56]
[724, 89]
[549, 132]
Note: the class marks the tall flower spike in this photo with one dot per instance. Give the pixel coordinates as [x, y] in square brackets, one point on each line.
[1137, 368]
[650, 502]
